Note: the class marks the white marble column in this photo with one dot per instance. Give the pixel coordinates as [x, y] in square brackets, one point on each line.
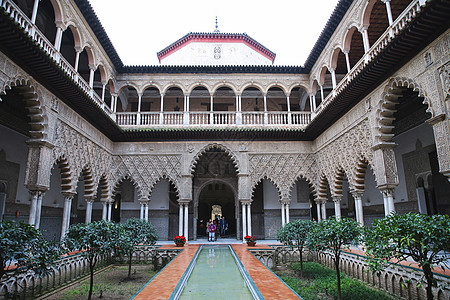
[91, 75]
[104, 210]
[365, 37]
[358, 207]
[186, 221]
[32, 216]
[109, 210]
[146, 211]
[283, 215]
[58, 38]
[337, 207]
[388, 11]
[141, 215]
[287, 213]
[319, 218]
[249, 219]
[347, 61]
[333, 77]
[35, 10]
[324, 209]
[38, 210]
[180, 219]
[66, 213]
[244, 221]
[78, 50]
[89, 203]
[388, 197]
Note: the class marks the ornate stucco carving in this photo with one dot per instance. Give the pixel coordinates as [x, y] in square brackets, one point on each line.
[343, 152]
[146, 170]
[282, 169]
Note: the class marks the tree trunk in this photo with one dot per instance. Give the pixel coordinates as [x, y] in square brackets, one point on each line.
[129, 264]
[301, 262]
[429, 277]
[338, 274]
[91, 282]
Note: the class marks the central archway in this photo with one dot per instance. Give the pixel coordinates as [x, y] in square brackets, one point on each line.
[216, 200]
[215, 183]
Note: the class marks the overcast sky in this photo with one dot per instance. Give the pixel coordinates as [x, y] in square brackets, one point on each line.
[139, 29]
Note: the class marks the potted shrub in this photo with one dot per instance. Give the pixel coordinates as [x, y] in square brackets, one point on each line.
[251, 240]
[179, 240]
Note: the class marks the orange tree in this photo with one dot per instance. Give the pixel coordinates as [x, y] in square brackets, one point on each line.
[23, 248]
[296, 234]
[93, 240]
[425, 239]
[135, 232]
[333, 236]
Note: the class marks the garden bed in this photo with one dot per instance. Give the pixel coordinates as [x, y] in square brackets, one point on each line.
[320, 282]
[113, 281]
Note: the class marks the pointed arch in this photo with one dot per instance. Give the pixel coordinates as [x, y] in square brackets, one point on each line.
[214, 146]
[260, 180]
[323, 186]
[67, 184]
[389, 100]
[308, 180]
[36, 110]
[171, 181]
[131, 179]
[361, 167]
[338, 181]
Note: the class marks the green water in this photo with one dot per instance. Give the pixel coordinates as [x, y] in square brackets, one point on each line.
[216, 276]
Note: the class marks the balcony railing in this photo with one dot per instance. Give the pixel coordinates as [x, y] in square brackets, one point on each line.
[32, 30]
[397, 26]
[213, 118]
[146, 119]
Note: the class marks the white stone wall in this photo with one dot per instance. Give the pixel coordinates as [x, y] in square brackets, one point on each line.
[208, 53]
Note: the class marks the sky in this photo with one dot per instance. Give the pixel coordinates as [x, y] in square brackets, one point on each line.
[139, 29]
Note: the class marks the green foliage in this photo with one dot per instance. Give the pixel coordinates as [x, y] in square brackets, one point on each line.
[135, 232]
[320, 281]
[334, 235]
[132, 233]
[93, 240]
[295, 233]
[23, 248]
[425, 239]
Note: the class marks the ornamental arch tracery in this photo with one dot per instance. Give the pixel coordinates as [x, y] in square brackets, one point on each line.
[21, 93]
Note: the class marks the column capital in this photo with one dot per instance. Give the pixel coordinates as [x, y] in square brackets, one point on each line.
[90, 198]
[245, 201]
[436, 119]
[336, 198]
[357, 194]
[39, 143]
[68, 194]
[363, 28]
[387, 190]
[384, 145]
[184, 201]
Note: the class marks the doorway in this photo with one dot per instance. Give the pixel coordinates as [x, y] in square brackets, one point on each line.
[216, 200]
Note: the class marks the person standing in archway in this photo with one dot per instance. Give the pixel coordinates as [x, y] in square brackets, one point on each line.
[211, 231]
[223, 226]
